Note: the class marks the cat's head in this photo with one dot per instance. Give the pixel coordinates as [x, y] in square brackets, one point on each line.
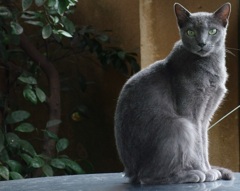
[203, 33]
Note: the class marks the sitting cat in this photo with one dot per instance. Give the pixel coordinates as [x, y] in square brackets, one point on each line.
[163, 112]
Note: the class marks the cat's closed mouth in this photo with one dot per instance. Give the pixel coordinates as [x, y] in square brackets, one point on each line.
[203, 52]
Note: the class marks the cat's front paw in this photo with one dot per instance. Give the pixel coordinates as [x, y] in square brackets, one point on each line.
[195, 176]
[213, 175]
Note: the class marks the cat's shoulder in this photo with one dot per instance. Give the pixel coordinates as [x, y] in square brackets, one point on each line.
[149, 74]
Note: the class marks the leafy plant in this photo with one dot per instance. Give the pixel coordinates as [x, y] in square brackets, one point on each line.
[25, 58]
[20, 160]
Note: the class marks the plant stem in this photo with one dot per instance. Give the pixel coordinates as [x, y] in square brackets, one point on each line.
[53, 101]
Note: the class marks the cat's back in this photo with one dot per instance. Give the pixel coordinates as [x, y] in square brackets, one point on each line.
[150, 76]
[146, 84]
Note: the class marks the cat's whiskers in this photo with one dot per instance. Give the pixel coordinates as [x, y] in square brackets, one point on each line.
[228, 50]
[233, 48]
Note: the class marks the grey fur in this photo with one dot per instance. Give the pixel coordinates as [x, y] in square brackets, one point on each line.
[163, 112]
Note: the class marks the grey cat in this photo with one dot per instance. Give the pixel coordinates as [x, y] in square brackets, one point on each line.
[163, 112]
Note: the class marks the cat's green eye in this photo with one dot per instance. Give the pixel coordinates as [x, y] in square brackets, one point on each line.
[190, 33]
[212, 31]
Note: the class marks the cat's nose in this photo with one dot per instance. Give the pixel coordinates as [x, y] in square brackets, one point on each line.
[201, 44]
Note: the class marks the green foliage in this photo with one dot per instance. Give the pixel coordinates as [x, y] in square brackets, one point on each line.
[18, 157]
[17, 116]
[25, 128]
[87, 38]
[62, 144]
[32, 92]
[51, 16]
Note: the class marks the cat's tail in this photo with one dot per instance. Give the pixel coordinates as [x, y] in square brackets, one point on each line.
[226, 173]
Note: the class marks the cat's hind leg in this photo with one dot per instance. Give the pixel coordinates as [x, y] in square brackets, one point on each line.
[176, 155]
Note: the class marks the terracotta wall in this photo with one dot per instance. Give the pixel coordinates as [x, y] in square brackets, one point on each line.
[158, 34]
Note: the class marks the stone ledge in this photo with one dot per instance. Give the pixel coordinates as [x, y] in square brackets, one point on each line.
[109, 182]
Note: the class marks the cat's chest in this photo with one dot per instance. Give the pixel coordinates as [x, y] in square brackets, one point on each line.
[198, 73]
[201, 80]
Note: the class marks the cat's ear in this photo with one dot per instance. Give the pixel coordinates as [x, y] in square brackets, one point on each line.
[223, 13]
[182, 14]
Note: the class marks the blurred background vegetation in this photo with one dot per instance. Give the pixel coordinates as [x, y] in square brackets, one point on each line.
[60, 79]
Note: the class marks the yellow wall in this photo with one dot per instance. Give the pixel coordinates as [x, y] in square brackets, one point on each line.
[122, 17]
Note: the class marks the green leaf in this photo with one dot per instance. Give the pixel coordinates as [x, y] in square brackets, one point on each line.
[51, 135]
[15, 176]
[27, 147]
[44, 157]
[64, 33]
[69, 26]
[47, 170]
[26, 4]
[52, 3]
[20, 115]
[53, 122]
[46, 31]
[4, 172]
[5, 12]
[55, 19]
[35, 23]
[121, 55]
[39, 3]
[28, 80]
[16, 28]
[73, 165]
[31, 15]
[72, 2]
[12, 140]
[62, 144]
[41, 95]
[25, 128]
[57, 163]
[17, 116]
[62, 6]
[37, 162]
[28, 159]
[14, 166]
[30, 95]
